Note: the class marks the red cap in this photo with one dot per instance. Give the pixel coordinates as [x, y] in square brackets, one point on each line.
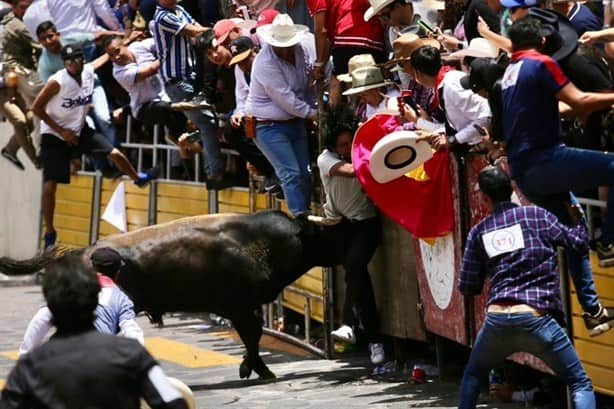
[266, 17]
[222, 29]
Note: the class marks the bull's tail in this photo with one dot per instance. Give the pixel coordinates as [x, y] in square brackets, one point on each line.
[33, 265]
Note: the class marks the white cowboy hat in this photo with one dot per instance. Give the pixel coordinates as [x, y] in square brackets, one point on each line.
[366, 78]
[357, 61]
[397, 154]
[376, 7]
[478, 47]
[185, 391]
[282, 32]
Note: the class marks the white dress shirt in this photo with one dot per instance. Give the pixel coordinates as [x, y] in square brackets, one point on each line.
[79, 16]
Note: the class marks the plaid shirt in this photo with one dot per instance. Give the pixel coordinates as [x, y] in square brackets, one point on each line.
[528, 274]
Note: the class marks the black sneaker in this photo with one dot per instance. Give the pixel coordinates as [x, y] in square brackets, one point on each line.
[147, 176]
[601, 322]
[220, 184]
[13, 159]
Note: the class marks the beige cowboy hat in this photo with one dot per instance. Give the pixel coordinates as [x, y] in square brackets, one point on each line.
[406, 44]
[357, 61]
[396, 154]
[185, 391]
[366, 78]
[376, 7]
[282, 32]
[478, 47]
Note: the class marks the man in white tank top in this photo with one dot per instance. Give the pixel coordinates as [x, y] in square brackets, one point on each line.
[62, 106]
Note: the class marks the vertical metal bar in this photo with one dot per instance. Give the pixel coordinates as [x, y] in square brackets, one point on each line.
[169, 157]
[197, 168]
[564, 283]
[139, 167]
[270, 314]
[156, 137]
[265, 316]
[128, 128]
[152, 208]
[213, 202]
[329, 311]
[307, 320]
[96, 199]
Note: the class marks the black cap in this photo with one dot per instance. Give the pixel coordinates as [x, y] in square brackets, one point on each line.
[71, 51]
[106, 260]
[484, 72]
[240, 48]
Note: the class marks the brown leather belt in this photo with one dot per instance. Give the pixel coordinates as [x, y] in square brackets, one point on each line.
[514, 309]
[274, 121]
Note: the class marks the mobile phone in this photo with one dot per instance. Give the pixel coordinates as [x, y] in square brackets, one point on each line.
[426, 26]
[480, 129]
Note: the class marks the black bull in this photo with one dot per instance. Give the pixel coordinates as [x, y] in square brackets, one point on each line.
[225, 264]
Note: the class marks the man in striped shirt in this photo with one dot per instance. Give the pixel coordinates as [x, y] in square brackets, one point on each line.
[173, 28]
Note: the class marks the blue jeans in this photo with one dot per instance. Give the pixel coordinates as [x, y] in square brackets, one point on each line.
[504, 334]
[548, 183]
[214, 163]
[285, 145]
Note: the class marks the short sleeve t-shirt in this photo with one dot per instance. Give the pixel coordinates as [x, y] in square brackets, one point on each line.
[531, 122]
[148, 89]
[344, 195]
[50, 63]
[71, 104]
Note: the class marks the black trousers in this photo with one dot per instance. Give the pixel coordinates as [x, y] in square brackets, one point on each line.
[247, 149]
[160, 112]
[359, 240]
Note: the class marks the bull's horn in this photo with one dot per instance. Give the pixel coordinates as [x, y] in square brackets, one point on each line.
[324, 221]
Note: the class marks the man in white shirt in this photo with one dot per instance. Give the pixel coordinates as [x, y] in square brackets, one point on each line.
[114, 314]
[62, 106]
[359, 232]
[79, 16]
[466, 112]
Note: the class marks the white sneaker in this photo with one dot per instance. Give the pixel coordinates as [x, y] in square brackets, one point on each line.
[344, 333]
[377, 353]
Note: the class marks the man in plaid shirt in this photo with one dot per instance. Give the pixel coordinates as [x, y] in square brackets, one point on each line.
[517, 248]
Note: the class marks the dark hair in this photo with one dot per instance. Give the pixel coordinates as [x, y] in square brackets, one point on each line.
[495, 184]
[44, 26]
[109, 39]
[426, 60]
[338, 121]
[71, 291]
[525, 34]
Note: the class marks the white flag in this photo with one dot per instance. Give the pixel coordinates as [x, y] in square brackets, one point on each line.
[115, 213]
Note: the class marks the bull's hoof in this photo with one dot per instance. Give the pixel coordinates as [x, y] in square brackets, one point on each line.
[244, 370]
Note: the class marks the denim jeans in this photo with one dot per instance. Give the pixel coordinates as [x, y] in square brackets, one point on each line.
[504, 334]
[548, 183]
[285, 145]
[214, 163]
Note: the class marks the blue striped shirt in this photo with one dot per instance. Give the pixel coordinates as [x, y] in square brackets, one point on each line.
[174, 50]
[528, 273]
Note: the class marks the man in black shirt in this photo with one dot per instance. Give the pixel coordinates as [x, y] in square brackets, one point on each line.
[80, 367]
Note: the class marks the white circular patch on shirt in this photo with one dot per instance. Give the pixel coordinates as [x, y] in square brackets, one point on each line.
[438, 263]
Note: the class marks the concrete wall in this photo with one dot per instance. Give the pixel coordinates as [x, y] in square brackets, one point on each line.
[20, 193]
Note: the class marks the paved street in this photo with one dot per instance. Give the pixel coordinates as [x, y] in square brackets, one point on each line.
[207, 358]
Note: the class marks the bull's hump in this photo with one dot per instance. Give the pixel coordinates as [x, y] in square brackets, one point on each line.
[158, 231]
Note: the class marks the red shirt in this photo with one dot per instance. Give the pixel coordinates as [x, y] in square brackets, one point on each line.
[345, 23]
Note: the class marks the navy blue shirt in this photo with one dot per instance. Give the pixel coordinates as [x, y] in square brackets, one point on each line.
[531, 122]
[583, 19]
[517, 248]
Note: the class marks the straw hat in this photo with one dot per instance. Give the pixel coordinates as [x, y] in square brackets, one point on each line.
[406, 44]
[397, 154]
[282, 32]
[357, 61]
[366, 78]
[376, 7]
[478, 47]
[185, 391]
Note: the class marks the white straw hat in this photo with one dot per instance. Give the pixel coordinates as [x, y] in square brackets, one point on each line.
[376, 7]
[282, 32]
[397, 154]
[478, 47]
[357, 61]
[366, 78]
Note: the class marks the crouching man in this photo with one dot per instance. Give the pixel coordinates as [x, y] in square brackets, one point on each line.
[517, 248]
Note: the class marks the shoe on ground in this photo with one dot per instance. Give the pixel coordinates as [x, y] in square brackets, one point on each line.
[376, 352]
[605, 251]
[599, 323]
[344, 333]
[13, 159]
[50, 239]
[147, 176]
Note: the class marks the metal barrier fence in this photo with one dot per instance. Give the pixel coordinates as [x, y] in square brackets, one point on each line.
[273, 312]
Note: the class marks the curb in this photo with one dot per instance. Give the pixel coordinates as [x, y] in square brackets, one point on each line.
[18, 281]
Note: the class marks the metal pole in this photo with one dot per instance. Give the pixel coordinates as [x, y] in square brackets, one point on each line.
[156, 136]
[96, 199]
[128, 128]
[152, 208]
[307, 320]
[329, 310]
